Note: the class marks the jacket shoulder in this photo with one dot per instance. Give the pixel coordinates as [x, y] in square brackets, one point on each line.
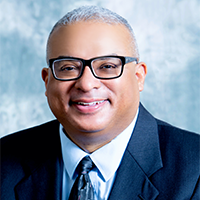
[29, 135]
[177, 137]
[183, 145]
[31, 142]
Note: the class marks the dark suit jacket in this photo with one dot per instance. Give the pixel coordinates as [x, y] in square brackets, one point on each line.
[161, 162]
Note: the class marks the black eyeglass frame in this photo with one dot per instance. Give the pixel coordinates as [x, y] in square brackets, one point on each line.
[124, 60]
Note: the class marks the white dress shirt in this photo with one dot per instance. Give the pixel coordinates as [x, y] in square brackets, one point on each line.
[107, 160]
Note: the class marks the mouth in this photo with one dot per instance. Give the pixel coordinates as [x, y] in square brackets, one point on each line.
[87, 107]
[94, 103]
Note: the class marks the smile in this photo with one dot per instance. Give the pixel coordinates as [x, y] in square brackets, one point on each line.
[94, 103]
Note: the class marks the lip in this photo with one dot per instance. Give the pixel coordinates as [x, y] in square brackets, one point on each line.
[88, 106]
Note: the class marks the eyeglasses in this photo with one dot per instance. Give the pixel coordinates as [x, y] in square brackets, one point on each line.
[105, 67]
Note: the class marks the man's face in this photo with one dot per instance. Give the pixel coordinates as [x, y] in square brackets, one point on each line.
[107, 106]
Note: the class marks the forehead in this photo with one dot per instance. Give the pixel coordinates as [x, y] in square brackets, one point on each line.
[89, 39]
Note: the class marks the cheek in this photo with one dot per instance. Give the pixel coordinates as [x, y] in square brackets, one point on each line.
[53, 91]
[57, 93]
[128, 91]
[122, 89]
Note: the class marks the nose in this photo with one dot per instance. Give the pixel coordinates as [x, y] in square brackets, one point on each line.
[87, 81]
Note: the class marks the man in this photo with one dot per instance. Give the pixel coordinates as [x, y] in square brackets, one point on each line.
[92, 86]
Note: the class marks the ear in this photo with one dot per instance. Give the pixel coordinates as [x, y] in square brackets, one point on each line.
[45, 77]
[141, 71]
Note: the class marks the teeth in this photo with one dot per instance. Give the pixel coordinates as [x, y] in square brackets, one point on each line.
[90, 104]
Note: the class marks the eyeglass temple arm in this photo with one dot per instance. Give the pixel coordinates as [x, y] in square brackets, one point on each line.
[130, 59]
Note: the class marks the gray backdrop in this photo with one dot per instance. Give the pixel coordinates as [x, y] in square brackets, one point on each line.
[168, 35]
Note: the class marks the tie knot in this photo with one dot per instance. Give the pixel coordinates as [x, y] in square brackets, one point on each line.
[86, 165]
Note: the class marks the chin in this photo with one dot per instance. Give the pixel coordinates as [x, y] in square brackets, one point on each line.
[90, 129]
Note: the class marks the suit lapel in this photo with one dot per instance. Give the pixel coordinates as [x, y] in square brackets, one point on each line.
[132, 185]
[141, 159]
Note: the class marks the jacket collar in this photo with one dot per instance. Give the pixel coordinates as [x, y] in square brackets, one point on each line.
[141, 159]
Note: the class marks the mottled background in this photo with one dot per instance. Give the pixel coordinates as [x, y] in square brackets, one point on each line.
[168, 35]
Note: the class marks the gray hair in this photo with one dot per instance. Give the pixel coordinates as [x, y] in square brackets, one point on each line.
[97, 14]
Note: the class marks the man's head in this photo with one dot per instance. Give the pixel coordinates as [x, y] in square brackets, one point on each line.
[92, 110]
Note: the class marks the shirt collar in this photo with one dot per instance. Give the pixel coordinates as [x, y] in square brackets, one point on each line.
[107, 158]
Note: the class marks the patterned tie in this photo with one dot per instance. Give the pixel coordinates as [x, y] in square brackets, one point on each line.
[82, 188]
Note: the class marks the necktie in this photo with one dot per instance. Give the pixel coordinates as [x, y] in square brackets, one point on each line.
[82, 188]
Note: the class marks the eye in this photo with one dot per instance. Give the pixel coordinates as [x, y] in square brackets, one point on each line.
[108, 66]
[68, 68]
